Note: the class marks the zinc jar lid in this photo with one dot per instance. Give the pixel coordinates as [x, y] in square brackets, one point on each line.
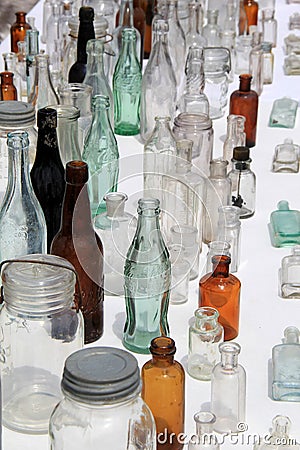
[16, 113]
[101, 374]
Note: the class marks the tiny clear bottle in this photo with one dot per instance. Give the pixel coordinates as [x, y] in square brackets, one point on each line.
[279, 438]
[289, 274]
[243, 49]
[268, 63]
[43, 93]
[256, 65]
[286, 157]
[205, 334]
[235, 136]
[229, 227]
[228, 389]
[188, 237]
[269, 26]
[204, 439]
[211, 31]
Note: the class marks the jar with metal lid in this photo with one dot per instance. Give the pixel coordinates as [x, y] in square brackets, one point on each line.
[15, 116]
[101, 406]
[39, 329]
[197, 128]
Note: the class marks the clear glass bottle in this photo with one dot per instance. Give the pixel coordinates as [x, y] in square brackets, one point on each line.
[204, 439]
[269, 26]
[211, 31]
[228, 389]
[20, 71]
[194, 35]
[147, 274]
[268, 63]
[229, 227]
[22, 223]
[289, 274]
[235, 136]
[158, 83]
[43, 93]
[101, 387]
[243, 49]
[256, 68]
[285, 365]
[115, 228]
[32, 49]
[53, 42]
[205, 334]
[101, 154]
[164, 378]
[8, 90]
[286, 157]
[157, 151]
[216, 248]
[218, 193]
[188, 237]
[176, 34]
[127, 85]
[180, 268]
[243, 182]
[37, 319]
[18, 30]
[279, 438]
[221, 290]
[228, 40]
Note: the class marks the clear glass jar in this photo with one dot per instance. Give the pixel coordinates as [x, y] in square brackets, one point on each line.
[101, 405]
[37, 321]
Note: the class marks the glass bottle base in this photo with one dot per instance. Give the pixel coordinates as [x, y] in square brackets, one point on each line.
[136, 348]
[126, 129]
[286, 392]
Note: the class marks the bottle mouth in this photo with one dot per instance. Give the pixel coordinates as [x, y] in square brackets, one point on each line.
[148, 204]
[162, 346]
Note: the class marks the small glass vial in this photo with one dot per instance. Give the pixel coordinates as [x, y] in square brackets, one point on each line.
[284, 226]
[286, 367]
[243, 182]
[269, 26]
[279, 437]
[229, 227]
[243, 49]
[216, 248]
[188, 237]
[256, 63]
[235, 136]
[286, 157]
[101, 404]
[180, 271]
[205, 334]
[228, 389]
[204, 439]
[289, 275]
[37, 319]
[268, 63]
[211, 31]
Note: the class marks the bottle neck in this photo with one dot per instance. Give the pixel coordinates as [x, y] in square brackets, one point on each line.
[100, 118]
[47, 146]
[172, 12]
[245, 84]
[206, 324]
[18, 171]
[240, 166]
[126, 13]
[232, 129]
[85, 33]
[95, 63]
[220, 266]
[76, 213]
[195, 80]
[194, 20]
[229, 360]
[21, 18]
[128, 48]
[163, 360]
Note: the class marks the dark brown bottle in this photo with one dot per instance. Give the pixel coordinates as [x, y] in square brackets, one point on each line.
[78, 243]
[85, 33]
[221, 290]
[244, 102]
[48, 173]
[18, 30]
[251, 10]
[150, 6]
[8, 90]
[163, 389]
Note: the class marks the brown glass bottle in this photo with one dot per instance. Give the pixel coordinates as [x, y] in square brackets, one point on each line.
[251, 10]
[78, 243]
[8, 90]
[163, 387]
[244, 102]
[18, 30]
[221, 290]
[149, 7]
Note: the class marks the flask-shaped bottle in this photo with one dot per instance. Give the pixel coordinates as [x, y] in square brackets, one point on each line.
[77, 242]
[163, 389]
[22, 223]
[147, 275]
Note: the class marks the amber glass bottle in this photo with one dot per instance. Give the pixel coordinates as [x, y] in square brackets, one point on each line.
[163, 382]
[149, 7]
[78, 243]
[18, 30]
[251, 10]
[244, 102]
[221, 290]
[8, 90]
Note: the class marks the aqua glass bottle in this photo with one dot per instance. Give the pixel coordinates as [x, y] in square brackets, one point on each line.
[127, 86]
[101, 154]
[284, 226]
[22, 223]
[147, 274]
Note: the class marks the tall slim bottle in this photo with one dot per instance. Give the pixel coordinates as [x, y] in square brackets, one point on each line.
[18, 30]
[251, 10]
[163, 389]
[42, 93]
[77, 242]
[147, 275]
[149, 7]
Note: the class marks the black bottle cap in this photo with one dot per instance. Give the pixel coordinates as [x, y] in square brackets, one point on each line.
[77, 172]
[46, 118]
[241, 153]
[86, 14]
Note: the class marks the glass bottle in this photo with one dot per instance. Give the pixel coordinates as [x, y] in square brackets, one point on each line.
[85, 33]
[211, 31]
[279, 438]
[176, 34]
[229, 227]
[269, 26]
[116, 229]
[20, 71]
[107, 9]
[289, 274]
[284, 226]
[18, 30]
[234, 137]
[221, 290]
[10, 65]
[147, 274]
[268, 63]
[47, 9]
[47, 173]
[286, 157]
[180, 268]
[194, 35]
[218, 193]
[8, 89]
[243, 182]
[43, 93]
[101, 154]
[32, 49]
[127, 84]
[53, 43]
[204, 439]
[77, 241]
[158, 83]
[22, 223]
[256, 67]
[244, 102]
[243, 49]
[228, 389]
[205, 334]
[188, 237]
[63, 25]
[251, 10]
[149, 8]
[163, 378]
[157, 151]
[37, 318]
[285, 365]
[228, 40]
[216, 248]
[242, 19]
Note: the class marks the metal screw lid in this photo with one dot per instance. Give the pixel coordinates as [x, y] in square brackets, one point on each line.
[16, 114]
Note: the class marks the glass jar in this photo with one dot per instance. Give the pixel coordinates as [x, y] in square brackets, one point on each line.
[101, 406]
[37, 320]
[197, 128]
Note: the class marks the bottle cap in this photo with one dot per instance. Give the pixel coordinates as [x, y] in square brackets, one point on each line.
[46, 118]
[86, 14]
[241, 153]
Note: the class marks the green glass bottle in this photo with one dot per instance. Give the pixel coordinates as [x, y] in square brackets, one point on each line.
[101, 154]
[127, 85]
[147, 276]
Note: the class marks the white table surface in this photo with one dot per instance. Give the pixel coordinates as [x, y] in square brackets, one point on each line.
[263, 315]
